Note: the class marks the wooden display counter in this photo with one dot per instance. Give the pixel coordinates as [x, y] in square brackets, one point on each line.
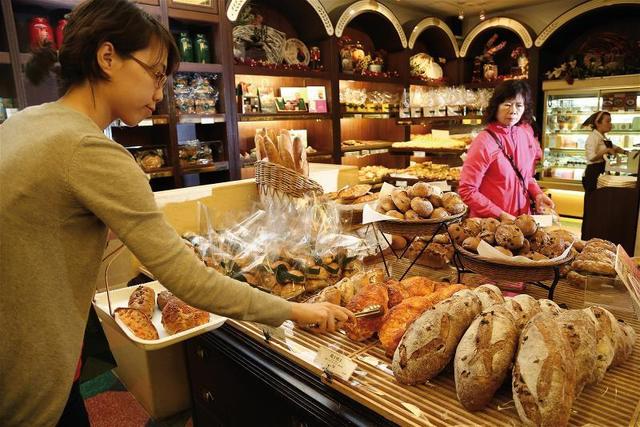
[224, 364]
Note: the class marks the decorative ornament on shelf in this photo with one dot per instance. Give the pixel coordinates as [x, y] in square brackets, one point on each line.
[484, 64]
[602, 54]
[521, 71]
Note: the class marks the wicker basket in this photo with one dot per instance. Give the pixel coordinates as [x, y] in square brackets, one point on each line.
[277, 182]
[423, 227]
[511, 271]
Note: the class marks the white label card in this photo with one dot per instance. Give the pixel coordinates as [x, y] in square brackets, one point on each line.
[439, 133]
[420, 154]
[336, 363]
[208, 120]
[146, 122]
[543, 220]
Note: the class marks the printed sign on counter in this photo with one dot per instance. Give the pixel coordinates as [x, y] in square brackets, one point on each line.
[336, 363]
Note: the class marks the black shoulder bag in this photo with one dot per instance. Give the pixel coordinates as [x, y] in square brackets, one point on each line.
[532, 203]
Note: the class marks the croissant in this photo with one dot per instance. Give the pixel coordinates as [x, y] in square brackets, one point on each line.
[178, 316]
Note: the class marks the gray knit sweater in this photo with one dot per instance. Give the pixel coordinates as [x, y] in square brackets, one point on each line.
[62, 182]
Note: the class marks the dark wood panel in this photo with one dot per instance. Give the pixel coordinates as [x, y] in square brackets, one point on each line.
[371, 129]
[319, 134]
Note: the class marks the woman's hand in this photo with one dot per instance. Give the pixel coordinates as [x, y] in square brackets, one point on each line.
[542, 201]
[328, 317]
[506, 216]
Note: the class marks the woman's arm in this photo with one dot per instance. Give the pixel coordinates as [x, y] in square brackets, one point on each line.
[474, 170]
[105, 179]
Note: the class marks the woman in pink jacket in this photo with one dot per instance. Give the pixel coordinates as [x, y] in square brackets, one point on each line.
[497, 176]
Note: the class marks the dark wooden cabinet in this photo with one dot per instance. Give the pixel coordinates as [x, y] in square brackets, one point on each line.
[236, 381]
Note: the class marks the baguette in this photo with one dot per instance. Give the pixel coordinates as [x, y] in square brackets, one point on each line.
[286, 150]
[260, 149]
[544, 375]
[431, 340]
[483, 357]
[580, 331]
[298, 149]
[272, 152]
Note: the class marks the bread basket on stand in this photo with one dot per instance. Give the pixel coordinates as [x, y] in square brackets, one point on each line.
[533, 272]
[280, 184]
[425, 228]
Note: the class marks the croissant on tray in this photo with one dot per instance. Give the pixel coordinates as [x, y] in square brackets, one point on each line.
[178, 316]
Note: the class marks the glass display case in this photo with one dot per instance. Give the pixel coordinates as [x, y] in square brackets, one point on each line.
[564, 137]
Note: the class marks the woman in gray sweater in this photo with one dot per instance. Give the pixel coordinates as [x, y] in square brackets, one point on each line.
[64, 182]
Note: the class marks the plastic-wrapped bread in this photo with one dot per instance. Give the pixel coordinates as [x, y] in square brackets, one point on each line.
[522, 307]
[580, 330]
[484, 355]
[431, 340]
[489, 295]
[607, 331]
[144, 299]
[544, 374]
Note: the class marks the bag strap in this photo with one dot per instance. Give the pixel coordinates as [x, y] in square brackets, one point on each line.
[512, 163]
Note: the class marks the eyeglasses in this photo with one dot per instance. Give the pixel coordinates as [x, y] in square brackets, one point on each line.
[159, 77]
[510, 105]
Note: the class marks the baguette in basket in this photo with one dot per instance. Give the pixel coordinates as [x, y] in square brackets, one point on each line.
[282, 150]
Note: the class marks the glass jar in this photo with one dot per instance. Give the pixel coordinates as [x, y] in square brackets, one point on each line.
[185, 47]
[201, 49]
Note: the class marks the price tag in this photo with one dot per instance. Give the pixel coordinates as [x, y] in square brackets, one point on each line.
[401, 184]
[277, 333]
[629, 274]
[543, 220]
[146, 122]
[442, 184]
[339, 365]
[207, 120]
[439, 133]
[419, 154]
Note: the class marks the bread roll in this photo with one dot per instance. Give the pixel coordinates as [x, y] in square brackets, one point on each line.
[539, 240]
[431, 340]
[144, 299]
[471, 244]
[386, 203]
[401, 200]
[489, 237]
[489, 295]
[522, 307]
[457, 233]
[527, 225]
[580, 331]
[412, 215]
[442, 238]
[453, 203]
[423, 207]
[439, 213]
[436, 201]
[509, 236]
[472, 227]
[420, 189]
[483, 357]
[544, 375]
[395, 214]
[489, 224]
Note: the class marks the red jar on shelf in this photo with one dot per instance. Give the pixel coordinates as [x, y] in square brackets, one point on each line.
[40, 32]
[60, 32]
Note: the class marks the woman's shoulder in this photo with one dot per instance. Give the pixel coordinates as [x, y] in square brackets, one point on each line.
[483, 144]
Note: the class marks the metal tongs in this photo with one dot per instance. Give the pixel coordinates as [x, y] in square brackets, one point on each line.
[369, 311]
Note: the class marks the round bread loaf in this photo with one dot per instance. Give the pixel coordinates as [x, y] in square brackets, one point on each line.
[489, 224]
[401, 200]
[527, 225]
[423, 207]
[510, 237]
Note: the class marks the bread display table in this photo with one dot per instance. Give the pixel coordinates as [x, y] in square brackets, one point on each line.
[224, 364]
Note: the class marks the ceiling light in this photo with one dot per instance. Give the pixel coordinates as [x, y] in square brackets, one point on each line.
[461, 15]
[482, 15]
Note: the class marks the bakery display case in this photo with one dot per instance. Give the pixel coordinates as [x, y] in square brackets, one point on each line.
[566, 108]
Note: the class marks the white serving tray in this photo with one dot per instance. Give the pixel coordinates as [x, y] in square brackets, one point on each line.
[120, 298]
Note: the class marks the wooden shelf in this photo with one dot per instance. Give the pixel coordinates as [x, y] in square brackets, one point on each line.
[160, 172]
[564, 149]
[240, 69]
[50, 4]
[319, 154]
[370, 79]
[587, 132]
[427, 151]
[5, 58]
[195, 67]
[407, 121]
[156, 120]
[367, 115]
[215, 167]
[258, 117]
[193, 16]
[375, 146]
[415, 81]
[205, 119]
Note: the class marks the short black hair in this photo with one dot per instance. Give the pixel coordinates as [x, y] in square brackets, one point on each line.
[509, 89]
[92, 23]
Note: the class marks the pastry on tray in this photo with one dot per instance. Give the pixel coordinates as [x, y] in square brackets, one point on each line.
[138, 322]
